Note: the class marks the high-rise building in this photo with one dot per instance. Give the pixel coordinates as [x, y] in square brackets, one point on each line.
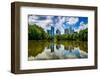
[58, 32]
[51, 31]
[69, 31]
[66, 31]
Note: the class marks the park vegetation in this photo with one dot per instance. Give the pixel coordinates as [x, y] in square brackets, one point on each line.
[37, 33]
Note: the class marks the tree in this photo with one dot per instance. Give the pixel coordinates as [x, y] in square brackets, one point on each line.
[36, 33]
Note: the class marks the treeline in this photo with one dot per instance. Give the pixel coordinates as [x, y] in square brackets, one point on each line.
[81, 36]
[37, 33]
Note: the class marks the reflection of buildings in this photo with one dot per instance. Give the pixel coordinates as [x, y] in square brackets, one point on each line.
[59, 51]
[65, 52]
[58, 46]
[52, 47]
[69, 48]
[66, 47]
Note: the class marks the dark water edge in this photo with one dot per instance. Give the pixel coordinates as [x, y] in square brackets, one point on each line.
[50, 50]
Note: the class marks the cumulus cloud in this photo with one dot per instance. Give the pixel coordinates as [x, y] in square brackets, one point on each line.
[72, 20]
[81, 27]
[59, 22]
[36, 20]
[32, 19]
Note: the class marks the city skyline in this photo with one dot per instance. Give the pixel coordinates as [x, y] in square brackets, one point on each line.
[60, 23]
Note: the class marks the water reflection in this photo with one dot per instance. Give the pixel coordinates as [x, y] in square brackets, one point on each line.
[44, 50]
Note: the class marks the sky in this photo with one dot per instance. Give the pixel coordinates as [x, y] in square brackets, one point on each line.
[59, 22]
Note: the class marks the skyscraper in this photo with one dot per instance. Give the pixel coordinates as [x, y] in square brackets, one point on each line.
[58, 32]
[49, 32]
[69, 30]
[52, 31]
[66, 31]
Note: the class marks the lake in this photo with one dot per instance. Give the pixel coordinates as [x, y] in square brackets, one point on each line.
[50, 50]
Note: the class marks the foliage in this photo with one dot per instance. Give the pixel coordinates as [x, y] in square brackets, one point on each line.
[81, 36]
[37, 47]
[37, 33]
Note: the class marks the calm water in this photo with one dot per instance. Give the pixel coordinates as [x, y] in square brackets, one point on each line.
[47, 50]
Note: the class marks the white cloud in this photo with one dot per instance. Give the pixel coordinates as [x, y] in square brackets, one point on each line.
[72, 20]
[48, 22]
[59, 24]
[49, 17]
[81, 27]
[31, 17]
[81, 23]
[42, 23]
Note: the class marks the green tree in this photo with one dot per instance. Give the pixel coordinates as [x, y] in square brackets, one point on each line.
[36, 33]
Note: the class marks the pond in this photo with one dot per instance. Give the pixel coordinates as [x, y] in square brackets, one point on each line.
[49, 50]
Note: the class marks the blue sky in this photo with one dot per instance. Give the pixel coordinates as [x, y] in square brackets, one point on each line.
[59, 22]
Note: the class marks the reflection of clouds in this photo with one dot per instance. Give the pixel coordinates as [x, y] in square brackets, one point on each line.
[60, 53]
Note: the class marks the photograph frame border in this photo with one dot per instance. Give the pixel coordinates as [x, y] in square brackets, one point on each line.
[15, 37]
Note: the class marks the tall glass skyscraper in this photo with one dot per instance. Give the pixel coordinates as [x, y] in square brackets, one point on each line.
[52, 31]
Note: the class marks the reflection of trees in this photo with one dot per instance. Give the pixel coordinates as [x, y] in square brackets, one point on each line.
[58, 46]
[68, 45]
[36, 47]
[68, 48]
